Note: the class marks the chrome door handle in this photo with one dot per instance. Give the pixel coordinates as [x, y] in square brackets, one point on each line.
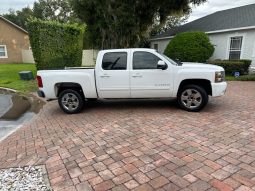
[104, 76]
[137, 76]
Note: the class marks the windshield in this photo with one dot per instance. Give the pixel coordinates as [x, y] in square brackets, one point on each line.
[168, 59]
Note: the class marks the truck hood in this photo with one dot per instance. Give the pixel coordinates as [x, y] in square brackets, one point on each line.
[193, 65]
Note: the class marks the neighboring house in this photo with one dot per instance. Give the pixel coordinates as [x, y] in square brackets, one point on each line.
[232, 32]
[13, 39]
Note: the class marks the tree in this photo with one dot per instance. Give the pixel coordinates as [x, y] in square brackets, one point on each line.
[19, 17]
[58, 10]
[190, 47]
[119, 24]
[157, 28]
[172, 21]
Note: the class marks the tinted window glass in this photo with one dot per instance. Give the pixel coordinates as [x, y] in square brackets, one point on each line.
[115, 61]
[145, 60]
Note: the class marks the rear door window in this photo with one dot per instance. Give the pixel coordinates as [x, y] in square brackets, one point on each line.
[115, 61]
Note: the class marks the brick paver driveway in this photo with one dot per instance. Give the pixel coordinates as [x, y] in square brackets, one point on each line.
[143, 145]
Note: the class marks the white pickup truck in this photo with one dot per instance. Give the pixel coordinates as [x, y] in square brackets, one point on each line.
[133, 73]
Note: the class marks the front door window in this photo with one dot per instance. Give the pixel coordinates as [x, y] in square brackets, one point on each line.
[145, 61]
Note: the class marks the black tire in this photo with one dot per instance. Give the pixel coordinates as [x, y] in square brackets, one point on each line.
[192, 98]
[72, 106]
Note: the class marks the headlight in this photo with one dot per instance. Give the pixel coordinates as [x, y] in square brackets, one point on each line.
[219, 76]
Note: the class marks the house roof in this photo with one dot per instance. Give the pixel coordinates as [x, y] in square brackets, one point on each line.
[240, 17]
[16, 26]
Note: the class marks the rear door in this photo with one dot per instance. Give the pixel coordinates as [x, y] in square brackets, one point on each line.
[112, 75]
[146, 81]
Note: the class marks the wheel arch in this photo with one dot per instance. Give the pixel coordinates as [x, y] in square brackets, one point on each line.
[59, 87]
[204, 83]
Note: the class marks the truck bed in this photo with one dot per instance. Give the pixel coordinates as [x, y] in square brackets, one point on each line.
[84, 76]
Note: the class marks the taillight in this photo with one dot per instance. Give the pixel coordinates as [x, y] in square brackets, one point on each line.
[39, 81]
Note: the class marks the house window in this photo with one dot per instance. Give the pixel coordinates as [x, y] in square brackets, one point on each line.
[156, 47]
[235, 48]
[3, 51]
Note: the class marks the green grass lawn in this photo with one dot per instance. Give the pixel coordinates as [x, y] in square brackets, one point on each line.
[9, 77]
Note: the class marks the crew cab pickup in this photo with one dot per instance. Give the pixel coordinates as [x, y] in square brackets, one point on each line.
[133, 73]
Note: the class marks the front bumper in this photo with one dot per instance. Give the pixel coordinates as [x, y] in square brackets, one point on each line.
[219, 89]
[41, 93]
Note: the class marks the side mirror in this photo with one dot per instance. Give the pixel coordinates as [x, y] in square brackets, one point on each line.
[178, 62]
[162, 65]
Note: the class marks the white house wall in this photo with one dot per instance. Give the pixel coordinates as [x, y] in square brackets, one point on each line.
[221, 41]
[162, 44]
[222, 44]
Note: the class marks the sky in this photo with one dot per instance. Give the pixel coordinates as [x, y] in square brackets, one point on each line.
[212, 6]
[5, 5]
[207, 8]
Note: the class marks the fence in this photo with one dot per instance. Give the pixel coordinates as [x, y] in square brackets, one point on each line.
[27, 56]
[89, 57]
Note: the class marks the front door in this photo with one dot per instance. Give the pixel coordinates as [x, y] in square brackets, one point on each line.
[146, 81]
[113, 76]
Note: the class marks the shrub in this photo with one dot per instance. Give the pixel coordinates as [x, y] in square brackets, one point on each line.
[55, 45]
[232, 66]
[190, 47]
[250, 77]
[247, 64]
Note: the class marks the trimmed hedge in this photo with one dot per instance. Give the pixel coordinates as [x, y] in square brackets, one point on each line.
[55, 45]
[247, 64]
[232, 66]
[250, 77]
[190, 47]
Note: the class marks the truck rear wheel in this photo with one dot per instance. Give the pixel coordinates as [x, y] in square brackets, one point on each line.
[192, 98]
[70, 101]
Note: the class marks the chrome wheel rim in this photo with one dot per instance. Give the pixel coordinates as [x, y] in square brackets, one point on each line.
[70, 101]
[191, 98]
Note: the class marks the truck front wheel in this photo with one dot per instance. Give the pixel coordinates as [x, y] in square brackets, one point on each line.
[70, 101]
[192, 98]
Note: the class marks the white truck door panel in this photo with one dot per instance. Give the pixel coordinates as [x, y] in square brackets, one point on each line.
[146, 81]
[113, 76]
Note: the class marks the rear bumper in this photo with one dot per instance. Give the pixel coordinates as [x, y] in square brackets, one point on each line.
[41, 93]
[219, 89]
